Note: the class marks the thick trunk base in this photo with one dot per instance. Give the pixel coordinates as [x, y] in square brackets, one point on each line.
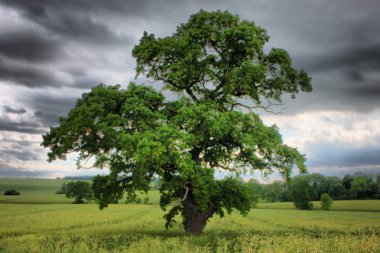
[194, 221]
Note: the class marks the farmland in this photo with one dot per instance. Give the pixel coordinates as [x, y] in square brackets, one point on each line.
[40, 221]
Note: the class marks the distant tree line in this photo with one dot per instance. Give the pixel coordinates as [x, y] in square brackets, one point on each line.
[312, 186]
[301, 189]
[78, 177]
[11, 192]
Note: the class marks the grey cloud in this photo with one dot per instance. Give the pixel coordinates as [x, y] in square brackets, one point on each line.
[29, 45]
[46, 118]
[49, 108]
[342, 171]
[6, 171]
[354, 58]
[72, 19]
[27, 75]
[342, 155]
[20, 126]
[369, 92]
[10, 109]
[18, 153]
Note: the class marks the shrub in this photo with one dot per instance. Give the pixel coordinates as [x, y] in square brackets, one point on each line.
[11, 192]
[62, 190]
[302, 192]
[146, 200]
[138, 201]
[326, 202]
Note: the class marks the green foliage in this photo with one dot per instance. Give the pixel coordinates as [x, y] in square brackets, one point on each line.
[212, 62]
[11, 192]
[319, 183]
[326, 202]
[275, 191]
[347, 180]
[378, 186]
[335, 187]
[302, 192]
[79, 190]
[359, 187]
[219, 48]
[62, 190]
[254, 189]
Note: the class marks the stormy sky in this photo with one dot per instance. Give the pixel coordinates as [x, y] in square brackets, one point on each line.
[53, 51]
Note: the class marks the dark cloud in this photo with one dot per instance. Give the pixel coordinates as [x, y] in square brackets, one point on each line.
[29, 75]
[342, 171]
[20, 126]
[29, 45]
[6, 171]
[49, 108]
[342, 155]
[10, 109]
[43, 8]
[370, 92]
[360, 59]
[46, 118]
[74, 20]
[18, 153]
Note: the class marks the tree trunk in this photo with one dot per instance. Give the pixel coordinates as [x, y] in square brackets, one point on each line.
[194, 221]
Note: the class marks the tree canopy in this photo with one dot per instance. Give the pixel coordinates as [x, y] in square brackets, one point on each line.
[217, 66]
[79, 190]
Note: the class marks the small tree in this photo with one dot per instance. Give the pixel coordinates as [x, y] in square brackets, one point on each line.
[11, 192]
[326, 202]
[79, 190]
[62, 190]
[302, 192]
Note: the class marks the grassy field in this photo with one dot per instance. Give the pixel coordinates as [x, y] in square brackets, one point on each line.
[41, 221]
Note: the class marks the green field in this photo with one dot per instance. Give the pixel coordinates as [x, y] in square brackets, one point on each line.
[40, 221]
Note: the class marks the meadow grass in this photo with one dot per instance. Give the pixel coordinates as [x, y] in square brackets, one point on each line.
[29, 186]
[46, 222]
[337, 205]
[140, 228]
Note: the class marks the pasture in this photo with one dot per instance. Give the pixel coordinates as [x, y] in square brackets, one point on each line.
[40, 221]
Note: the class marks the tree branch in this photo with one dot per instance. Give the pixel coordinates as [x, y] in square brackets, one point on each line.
[224, 167]
[158, 77]
[78, 162]
[191, 94]
[265, 108]
[187, 191]
[187, 89]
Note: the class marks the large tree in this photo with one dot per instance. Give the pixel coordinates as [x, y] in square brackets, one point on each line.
[217, 66]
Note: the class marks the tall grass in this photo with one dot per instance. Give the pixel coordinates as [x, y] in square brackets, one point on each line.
[45, 222]
[140, 228]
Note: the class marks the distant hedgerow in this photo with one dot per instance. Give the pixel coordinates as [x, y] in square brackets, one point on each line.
[11, 192]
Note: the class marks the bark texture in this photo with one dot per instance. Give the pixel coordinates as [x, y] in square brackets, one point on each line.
[194, 221]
